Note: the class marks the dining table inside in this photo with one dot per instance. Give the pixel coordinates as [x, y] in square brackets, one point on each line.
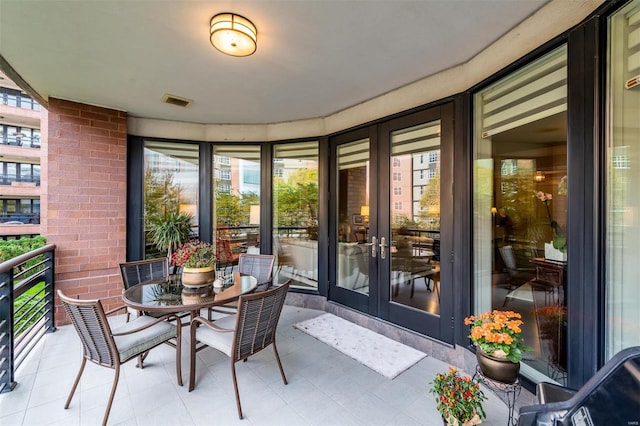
[168, 295]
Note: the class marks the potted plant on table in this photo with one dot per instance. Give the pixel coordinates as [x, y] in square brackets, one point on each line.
[497, 335]
[459, 398]
[198, 261]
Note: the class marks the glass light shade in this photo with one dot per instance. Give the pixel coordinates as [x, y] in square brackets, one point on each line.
[364, 210]
[233, 34]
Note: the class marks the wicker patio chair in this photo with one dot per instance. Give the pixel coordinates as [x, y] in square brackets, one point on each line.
[112, 347]
[242, 335]
[140, 271]
[143, 270]
[259, 266]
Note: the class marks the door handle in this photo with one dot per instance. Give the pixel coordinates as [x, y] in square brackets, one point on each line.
[383, 245]
[374, 249]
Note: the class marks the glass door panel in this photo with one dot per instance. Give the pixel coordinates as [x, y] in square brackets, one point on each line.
[415, 213]
[353, 216]
[236, 206]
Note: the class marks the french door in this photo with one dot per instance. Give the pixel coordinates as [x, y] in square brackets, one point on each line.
[392, 229]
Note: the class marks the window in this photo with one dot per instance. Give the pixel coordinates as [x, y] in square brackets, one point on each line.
[396, 162]
[170, 186]
[397, 190]
[295, 213]
[511, 224]
[397, 176]
[236, 200]
[397, 205]
[623, 164]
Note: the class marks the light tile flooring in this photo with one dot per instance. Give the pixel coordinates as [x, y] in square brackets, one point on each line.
[325, 388]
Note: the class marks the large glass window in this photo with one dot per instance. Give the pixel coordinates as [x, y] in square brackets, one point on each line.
[236, 202]
[623, 179]
[520, 207]
[295, 213]
[170, 187]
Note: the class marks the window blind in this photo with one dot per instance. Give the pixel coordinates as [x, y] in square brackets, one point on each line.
[536, 92]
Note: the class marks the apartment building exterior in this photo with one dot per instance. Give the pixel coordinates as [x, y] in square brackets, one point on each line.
[21, 160]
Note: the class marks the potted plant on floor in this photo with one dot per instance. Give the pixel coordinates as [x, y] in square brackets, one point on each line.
[500, 345]
[459, 398]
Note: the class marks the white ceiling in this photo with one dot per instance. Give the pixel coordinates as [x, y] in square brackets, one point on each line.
[314, 57]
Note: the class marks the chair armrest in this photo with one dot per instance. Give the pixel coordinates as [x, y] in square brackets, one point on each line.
[208, 324]
[114, 310]
[168, 317]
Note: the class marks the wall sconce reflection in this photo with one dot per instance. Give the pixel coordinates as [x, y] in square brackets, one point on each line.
[539, 177]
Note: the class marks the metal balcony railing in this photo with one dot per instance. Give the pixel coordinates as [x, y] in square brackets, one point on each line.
[26, 308]
[7, 179]
[23, 141]
[19, 218]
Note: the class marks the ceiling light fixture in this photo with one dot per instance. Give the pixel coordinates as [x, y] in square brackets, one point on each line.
[233, 34]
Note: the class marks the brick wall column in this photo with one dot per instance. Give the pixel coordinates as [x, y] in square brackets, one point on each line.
[85, 199]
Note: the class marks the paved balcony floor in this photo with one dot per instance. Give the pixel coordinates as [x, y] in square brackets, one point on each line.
[325, 387]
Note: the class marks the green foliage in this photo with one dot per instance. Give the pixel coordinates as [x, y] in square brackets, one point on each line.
[161, 196]
[14, 248]
[171, 231]
[228, 210]
[296, 199]
[458, 398]
[430, 204]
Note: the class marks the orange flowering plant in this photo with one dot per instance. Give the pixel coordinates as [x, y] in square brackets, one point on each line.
[497, 333]
[459, 398]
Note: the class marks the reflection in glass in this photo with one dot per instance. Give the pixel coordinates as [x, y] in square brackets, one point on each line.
[353, 226]
[520, 207]
[415, 217]
[170, 187]
[236, 205]
[295, 213]
[623, 179]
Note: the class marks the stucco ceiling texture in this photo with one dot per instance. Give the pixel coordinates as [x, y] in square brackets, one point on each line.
[314, 57]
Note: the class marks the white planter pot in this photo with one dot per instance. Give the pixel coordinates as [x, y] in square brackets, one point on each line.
[551, 253]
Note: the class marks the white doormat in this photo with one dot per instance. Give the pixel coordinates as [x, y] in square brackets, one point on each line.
[379, 353]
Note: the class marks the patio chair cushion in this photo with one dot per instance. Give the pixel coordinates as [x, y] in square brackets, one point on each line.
[131, 345]
[215, 339]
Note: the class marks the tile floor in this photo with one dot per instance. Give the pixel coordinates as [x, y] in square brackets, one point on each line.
[325, 388]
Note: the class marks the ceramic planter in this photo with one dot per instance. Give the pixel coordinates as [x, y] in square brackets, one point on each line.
[198, 277]
[499, 369]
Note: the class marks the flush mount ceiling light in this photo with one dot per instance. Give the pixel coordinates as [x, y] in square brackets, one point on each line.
[233, 34]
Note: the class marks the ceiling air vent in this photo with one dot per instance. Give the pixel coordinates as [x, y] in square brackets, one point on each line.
[176, 100]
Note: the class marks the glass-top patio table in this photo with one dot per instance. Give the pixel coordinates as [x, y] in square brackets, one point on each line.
[168, 295]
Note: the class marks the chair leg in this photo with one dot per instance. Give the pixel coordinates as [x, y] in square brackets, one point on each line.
[113, 393]
[179, 352]
[192, 356]
[275, 350]
[235, 387]
[75, 384]
[141, 359]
